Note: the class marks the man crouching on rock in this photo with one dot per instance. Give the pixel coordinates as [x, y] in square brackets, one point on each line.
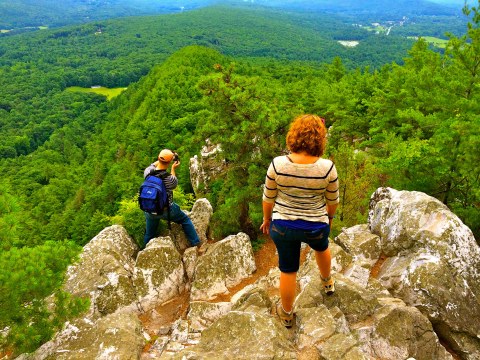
[159, 169]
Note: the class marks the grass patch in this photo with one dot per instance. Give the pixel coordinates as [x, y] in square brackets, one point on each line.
[107, 92]
[378, 29]
[440, 43]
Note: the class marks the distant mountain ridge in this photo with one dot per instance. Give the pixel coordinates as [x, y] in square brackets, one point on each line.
[23, 13]
[33, 13]
[387, 7]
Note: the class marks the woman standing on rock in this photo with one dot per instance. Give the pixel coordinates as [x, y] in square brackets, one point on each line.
[299, 202]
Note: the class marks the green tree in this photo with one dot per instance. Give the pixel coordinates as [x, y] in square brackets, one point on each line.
[32, 305]
[12, 219]
[359, 177]
[437, 125]
[248, 124]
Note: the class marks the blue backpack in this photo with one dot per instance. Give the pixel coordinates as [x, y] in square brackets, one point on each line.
[153, 196]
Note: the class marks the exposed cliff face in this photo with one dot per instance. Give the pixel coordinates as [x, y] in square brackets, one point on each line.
[205, 169]
[433, 264]
[408, 276]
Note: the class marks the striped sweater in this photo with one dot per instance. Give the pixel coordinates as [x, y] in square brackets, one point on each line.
[301, 191]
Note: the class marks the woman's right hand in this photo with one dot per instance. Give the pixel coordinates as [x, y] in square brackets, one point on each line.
[265, 227]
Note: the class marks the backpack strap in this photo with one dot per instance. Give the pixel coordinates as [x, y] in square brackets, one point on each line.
[163, 174]
[168, 215]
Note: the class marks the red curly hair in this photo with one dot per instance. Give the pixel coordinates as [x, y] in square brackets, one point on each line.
[307, 134]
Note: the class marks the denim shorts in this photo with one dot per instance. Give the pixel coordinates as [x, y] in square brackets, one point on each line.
[288, 242]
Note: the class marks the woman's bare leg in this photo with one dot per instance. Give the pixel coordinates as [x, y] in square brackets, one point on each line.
[288, 286]
[324, 262]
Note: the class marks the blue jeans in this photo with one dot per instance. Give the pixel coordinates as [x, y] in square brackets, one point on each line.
[177, 216]
[289, 241]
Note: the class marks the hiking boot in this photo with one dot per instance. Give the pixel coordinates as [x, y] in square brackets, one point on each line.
[285, 318]
[328, 285]
[201, 248]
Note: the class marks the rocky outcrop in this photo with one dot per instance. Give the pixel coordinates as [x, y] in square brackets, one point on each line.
[356, 323]
[224, 265]
[364, 247]
[113, 277]
[404, 280]
[201, 214]
[433, 263]
[206, 168]
[104, 271]
[115, 336]
[159, 273]
[242, 335]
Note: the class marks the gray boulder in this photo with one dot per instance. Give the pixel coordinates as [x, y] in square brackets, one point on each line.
[159, 274]
[115, 336]
[242, 335]
[204, 169]
[201, 214]
[351, 296]
[341, 259]
[353, 300]
[254, 300]
[434, 263]
[402, 332]
[359, 242]
[202, 314]
[225, 264]
[189, 258]
[314, 326]
[356, 324]
[340, 347]
[104, 271]
[358, 274]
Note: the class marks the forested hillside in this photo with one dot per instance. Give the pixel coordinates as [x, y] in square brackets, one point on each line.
[384, 8]
[21, 14]
[27, 15]
[72, 162]
[35, 68]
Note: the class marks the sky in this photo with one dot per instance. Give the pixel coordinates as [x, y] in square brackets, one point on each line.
[455, 2]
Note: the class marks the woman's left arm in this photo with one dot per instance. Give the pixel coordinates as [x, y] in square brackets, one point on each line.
[269, 195]
[332, 195]
[267, 217]
[331, 213]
